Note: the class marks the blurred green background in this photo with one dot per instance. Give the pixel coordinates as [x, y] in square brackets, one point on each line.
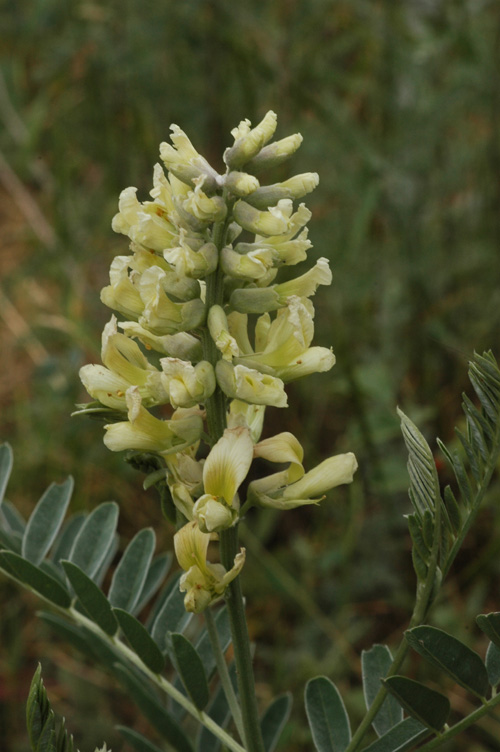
[399, 105]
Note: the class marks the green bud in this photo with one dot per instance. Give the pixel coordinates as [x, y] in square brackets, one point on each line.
[248, 142]
[241, 183]
[275, 154]
[183, 161]
[296, 187]
[272, 222]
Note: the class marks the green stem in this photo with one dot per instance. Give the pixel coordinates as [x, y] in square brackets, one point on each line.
[222, 668]
[461, 725]
[216, 421]
[241, 645]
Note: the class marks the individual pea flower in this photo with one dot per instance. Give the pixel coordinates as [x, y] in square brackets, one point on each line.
[148, 224]
[251, 416]
[192, 263]
[124, 366]
[203, 582]
[293, 188]
[249, 385]
[260, 300]
[161, 314]
[144, 432]
[274, 221]
[183, 161]
[181, 345]
[249, 141]
[284, 448]
[204, 208]
[225, 469]
[282, 346]
[275, 491]
[121, 294]
[186, 384]
[253, 265]
[219, 331]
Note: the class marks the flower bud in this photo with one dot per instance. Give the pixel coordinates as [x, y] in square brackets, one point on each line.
[241, 183]
[202, 207]
[183, 161]
[250, 416]
[259, 300]
[272, 222]
[294, 188]
[219, 331]
[161, 315]
[194, 264]
[212, 515]
[249, 385]
[248, 142]
[275, 154]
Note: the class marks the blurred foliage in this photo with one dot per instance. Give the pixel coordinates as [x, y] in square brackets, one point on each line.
[399, 106]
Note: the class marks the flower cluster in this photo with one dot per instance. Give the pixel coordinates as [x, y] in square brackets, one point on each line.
[210, 324]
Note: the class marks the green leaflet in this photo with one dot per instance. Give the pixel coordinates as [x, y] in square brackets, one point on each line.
[33, 577]
[130, 574]
[136, 740]
[66, 538]
[40, 721]
[6, 462]
[490, 625]
[404, 736]
[327, 716]
[427, 706]
[451, 655]
[189, 666]
[45, 521]
[154, 711]
[156, 574]
[493, 664]
[12, 518]
[92, 598]
[95, 538]
[219, 711]
[375, 664]
[171, 616]
[140, 641]
[274, 719]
